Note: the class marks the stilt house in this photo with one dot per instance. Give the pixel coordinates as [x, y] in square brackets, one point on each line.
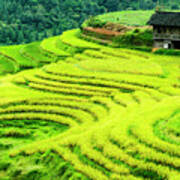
[166, 29]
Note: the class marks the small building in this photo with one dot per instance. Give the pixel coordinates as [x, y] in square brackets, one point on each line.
[166, 29]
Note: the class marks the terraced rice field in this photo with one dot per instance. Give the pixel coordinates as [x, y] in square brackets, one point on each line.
[94, 113]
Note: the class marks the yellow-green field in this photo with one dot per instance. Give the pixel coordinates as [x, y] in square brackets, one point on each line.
[93, 113]
[132, 18]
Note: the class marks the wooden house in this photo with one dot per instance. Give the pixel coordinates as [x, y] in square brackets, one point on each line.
[166, 29]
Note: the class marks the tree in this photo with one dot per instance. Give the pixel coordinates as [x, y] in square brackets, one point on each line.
[111, 5]
[175, 6]
[20, 37]
[12, 34]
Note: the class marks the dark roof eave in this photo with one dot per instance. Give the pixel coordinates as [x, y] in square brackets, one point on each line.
[165, 19]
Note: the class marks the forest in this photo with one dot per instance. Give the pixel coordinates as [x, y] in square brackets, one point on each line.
[24, 21]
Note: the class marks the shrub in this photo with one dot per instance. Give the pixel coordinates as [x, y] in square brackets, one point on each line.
[94, 22]
[175, 6]
[136, 30]
[168, 52]
[4, 165]
[136, 37]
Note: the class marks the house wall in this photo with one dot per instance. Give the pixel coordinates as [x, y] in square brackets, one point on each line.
[166, 37]
[167, 33]
[158, 44]
[166, 30]
[166, 44]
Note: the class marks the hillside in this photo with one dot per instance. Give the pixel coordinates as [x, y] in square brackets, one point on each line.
[126, 29]
[95, 112]
[132, 18]
[24, 21]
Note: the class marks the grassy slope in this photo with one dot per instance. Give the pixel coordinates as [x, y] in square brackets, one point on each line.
[133, 18]
[101, 113]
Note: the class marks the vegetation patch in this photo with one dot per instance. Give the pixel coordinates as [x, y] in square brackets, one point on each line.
[15, 133]
[137, 37]
[170, 52]
[39, 166]
[168, 130]
[95, 112]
